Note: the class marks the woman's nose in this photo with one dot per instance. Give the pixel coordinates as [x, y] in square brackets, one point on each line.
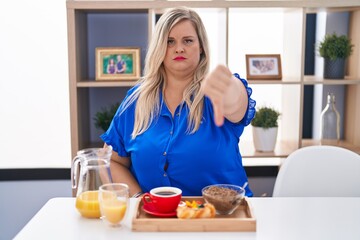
[179, 49]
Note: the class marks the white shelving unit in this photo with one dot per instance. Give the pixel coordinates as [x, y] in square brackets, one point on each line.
[83, 86]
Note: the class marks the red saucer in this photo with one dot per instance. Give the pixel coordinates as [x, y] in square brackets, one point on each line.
[148, 208]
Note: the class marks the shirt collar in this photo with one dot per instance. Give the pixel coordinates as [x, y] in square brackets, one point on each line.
[164, 111]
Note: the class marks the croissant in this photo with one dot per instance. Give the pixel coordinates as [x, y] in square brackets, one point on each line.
[189, 211]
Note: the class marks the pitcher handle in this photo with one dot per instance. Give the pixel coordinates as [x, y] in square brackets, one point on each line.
[74, 171]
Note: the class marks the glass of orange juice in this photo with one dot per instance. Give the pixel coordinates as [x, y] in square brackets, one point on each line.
[113, 202]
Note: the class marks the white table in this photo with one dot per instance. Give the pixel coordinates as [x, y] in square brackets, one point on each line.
[277, 218]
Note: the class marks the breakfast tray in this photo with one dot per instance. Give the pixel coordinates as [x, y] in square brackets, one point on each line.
[241, 220]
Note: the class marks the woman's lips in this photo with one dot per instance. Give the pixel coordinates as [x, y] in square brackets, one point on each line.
[179, 58]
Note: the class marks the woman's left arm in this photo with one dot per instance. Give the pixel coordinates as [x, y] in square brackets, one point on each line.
[227, 94]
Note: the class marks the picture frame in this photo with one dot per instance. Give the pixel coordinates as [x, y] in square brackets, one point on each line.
[263, 67]
[117, 63]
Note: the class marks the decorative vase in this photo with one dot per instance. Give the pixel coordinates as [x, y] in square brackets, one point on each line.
[334, 69]
[264, 138]
[330, 120]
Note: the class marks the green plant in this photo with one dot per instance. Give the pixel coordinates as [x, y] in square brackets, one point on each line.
[265, 117]
[103, 118]
[333, 47]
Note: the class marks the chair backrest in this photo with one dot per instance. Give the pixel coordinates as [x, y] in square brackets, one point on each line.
[319, 171]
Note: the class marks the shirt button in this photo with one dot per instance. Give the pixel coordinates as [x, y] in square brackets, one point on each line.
[164, 153]
[178, 114]
[165, 175]
[171, 132]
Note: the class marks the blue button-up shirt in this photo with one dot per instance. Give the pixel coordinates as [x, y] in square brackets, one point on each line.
[210, 155]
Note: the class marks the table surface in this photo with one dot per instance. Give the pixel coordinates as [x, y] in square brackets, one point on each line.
[277, 218]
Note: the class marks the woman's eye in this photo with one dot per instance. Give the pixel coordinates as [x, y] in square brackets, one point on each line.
[170, 42]
[188, 41]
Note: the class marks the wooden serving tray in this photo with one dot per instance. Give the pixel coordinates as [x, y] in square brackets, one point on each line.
[242, 220]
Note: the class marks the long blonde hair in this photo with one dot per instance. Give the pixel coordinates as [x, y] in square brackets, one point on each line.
[148, 92]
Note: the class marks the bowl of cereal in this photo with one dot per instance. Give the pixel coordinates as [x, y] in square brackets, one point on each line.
[225, 197]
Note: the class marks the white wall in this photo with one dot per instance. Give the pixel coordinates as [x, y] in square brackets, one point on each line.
[250, 34]
[34, 95]
[16, 211]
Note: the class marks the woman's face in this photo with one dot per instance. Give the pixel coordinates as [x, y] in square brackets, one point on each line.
[183, 49]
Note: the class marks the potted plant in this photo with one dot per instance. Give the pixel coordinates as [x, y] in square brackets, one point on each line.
[265, 128]
[104, 117]
[335, 49]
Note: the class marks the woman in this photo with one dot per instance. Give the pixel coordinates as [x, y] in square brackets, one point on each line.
[111, 67]
[180, 126]
[120, 65]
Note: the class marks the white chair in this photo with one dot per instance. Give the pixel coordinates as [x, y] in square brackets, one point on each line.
[319, 171]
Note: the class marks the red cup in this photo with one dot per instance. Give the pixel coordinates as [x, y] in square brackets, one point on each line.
[163, 199]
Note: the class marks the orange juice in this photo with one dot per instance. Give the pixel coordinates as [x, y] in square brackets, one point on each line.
[87, 204]
[114, 211]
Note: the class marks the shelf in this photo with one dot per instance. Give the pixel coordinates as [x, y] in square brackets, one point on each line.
[125, 83]
[312, 80]
[333, 9]
[341, 143]
[262, 162]
[94, 144]
[248, 161]
[282, 150]
[286, 81]
[134, 4]
[308, 80]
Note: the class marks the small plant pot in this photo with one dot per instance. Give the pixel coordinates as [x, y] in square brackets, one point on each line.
[264, 138]
[334, 69]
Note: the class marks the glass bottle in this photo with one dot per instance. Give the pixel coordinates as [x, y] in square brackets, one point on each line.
[330, 120]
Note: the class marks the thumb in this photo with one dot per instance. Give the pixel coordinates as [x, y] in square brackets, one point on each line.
[218, 114]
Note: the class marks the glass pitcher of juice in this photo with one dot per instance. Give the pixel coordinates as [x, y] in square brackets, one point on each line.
[90, 169]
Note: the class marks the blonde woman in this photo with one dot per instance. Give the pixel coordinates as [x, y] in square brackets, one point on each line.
[180, 125]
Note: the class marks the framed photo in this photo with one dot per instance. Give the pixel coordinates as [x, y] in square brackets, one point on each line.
[117, 63]
[263, 66]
